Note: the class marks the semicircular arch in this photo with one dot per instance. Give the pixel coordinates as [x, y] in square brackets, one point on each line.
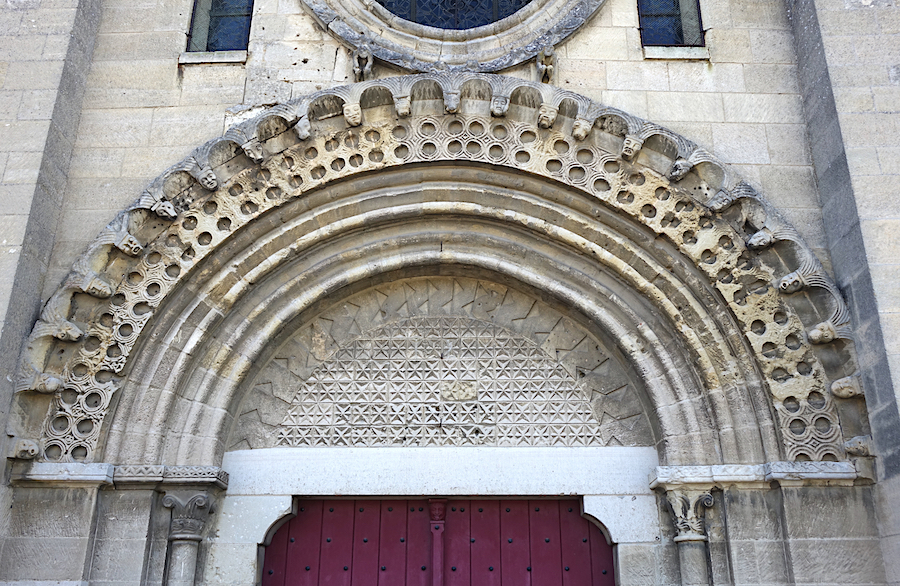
[706, 287]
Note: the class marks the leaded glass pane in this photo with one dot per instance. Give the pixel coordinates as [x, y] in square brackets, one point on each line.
[220, 25]
[670, 23]
[453, 14]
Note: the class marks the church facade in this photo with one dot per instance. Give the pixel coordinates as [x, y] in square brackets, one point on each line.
[354, 292]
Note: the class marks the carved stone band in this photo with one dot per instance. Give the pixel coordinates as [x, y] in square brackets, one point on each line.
[758, 474]
[493, 47]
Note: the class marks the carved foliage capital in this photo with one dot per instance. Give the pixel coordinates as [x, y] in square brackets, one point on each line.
[189, 515]
[688, 508]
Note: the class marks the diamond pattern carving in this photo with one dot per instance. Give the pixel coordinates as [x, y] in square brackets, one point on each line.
[445, 380]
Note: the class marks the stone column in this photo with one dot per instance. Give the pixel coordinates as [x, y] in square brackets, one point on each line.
[688, 507]
[189, 514]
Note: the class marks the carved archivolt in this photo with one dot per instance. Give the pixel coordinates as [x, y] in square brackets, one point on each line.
[742, 247]
[372, 30]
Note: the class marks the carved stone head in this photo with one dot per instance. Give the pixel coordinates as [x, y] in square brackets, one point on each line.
[680, 168]
[129, 245]
[631, 146]
[208, 179]
[164, 209]
[403, 106]
[98, 287]
[581, 129]
[791, 283]
[303, 128]
[499, 105]
[761, 239]
[254, 150]
[719, 202]
[547, 115]
[451, 102]
[822, 333]
[353, 114]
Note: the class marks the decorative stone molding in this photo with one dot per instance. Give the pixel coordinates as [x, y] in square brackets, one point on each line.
[171, 475]
[69, 474]
[688, 508]
[758, 475]
[680, 192]
[366, 26]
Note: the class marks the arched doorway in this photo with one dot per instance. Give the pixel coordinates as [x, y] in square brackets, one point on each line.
[194, 329]
[431, 542]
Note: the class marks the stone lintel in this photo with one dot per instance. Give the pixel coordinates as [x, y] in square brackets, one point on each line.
[755, 475]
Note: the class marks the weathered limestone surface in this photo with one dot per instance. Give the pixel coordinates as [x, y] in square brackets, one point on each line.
[803, 108]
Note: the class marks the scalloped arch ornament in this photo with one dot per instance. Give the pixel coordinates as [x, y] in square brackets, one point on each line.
[792, 318]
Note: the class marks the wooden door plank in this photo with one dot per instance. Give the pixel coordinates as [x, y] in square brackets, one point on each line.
[276, 557]
[575, 542]
[392, 557]
[601, 558]
[336, 543]
[304, 550]
[457, 562]
[485, 550]
[546, 555]
[515, 551]
[366, 530]
[418, 550]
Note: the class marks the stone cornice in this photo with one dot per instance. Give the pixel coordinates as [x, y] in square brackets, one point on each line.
[754, 475]
[145, 475]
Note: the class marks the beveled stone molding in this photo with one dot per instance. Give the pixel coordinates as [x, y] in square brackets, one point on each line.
[368, 27]
[62, 474]
[758, 475]
[79, 353]
[101, 473]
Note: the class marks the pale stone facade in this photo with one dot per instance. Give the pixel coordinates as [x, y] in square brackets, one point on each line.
[663, 279]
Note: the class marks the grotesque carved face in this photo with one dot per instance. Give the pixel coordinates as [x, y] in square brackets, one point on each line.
[437, 511]
[403, 106]
[353, 114]
[451, 102]
[822, 333]
[302, 128]
[254, 150]
[581, 129]
[680, 168]
[97, 287]
[129, 245]
[791, 283]
[499, 105]
[208, 179]
[547, 115]
[631, 146]
[761, 239]
[68, 332]
[719, 202]
[164, 209]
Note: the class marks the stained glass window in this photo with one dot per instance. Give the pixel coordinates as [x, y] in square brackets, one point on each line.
[220, 25]
[670, 23]
[453, 14]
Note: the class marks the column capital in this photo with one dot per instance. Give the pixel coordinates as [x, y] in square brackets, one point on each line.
[189, 515]
[688, 507]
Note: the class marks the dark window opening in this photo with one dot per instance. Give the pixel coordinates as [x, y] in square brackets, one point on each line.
[668, 23]
[453, 14]
[220, 25]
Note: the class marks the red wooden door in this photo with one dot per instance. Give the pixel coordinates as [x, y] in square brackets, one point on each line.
[511, 542]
